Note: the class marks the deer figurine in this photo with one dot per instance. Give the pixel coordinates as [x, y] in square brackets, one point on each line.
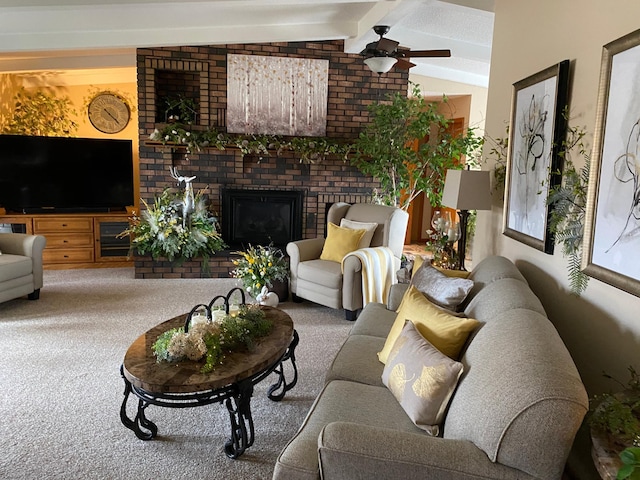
[188, 201]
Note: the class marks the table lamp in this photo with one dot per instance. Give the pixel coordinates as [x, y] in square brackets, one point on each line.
[466, 190]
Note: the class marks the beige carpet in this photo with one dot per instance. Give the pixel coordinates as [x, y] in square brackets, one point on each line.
[61, 387]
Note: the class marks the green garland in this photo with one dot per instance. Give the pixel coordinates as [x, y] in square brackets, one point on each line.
[213, 339]
[310, 149]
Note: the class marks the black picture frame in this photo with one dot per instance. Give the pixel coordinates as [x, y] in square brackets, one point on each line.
[536, 135]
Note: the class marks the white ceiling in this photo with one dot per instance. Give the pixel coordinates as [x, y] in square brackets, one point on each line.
[90, 34]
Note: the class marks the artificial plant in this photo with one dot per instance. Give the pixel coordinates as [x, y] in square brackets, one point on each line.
[408, 147]
[569, 200]
[41, 112]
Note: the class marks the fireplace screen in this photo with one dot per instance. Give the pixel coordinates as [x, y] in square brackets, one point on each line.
[261, 217]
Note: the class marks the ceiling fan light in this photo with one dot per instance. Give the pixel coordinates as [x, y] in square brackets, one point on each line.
[380, 64]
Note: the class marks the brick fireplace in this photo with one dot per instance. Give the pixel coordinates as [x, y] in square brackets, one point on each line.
[200, 73]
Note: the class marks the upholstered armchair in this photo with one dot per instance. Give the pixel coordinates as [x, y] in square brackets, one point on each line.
[338, 284]
[20, 265]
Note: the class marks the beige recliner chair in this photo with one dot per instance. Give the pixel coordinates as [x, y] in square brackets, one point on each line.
[322, 281]
[20, 265]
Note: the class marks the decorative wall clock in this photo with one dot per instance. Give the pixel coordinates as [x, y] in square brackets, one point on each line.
[109, 112]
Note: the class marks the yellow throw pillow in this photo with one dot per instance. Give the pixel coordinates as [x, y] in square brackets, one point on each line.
[340, 241]
[454, 273]
[417, 263]
[446, 332]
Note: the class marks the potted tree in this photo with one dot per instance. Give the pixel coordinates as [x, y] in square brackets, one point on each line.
[392, 148]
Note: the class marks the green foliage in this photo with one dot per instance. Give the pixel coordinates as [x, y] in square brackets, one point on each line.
[392, 148]
[41, 112]
[310, 149]
[617, 414]
[498, 154]
[569, 201]
[260, 266]
[630, 457]
[213, 339]
[180, 109]
[161, 232]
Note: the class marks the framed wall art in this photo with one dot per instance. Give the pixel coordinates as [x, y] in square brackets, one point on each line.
[277, 95]
[612, 228]
[537, 131]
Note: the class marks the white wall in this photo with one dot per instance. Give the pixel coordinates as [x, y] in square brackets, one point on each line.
[601, 328]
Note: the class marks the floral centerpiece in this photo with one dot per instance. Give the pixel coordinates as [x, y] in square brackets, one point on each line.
[162, 231]
[260, 266]
[211, 340]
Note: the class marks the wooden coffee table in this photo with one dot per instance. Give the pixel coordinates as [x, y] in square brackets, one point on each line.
[181, 385]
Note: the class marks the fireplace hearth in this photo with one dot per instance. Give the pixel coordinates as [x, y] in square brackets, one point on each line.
[261, 217]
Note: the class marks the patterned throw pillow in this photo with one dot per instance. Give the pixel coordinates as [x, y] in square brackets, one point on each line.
[421, 378]
[445, 291]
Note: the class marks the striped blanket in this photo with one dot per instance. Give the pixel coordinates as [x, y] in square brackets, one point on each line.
[377, 273]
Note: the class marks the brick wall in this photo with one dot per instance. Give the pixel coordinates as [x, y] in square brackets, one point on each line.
[200, 73]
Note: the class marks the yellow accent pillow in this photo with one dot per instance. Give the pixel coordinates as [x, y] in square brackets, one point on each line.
[417, 263]
[454, 273]
[340, 241]
[446, 332]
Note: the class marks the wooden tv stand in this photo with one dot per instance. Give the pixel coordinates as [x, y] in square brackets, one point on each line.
[77, 240]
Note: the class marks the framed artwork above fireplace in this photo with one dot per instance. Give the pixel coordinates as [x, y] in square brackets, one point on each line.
[277, 95]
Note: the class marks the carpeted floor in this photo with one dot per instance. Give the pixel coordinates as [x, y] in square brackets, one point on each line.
[61, 388]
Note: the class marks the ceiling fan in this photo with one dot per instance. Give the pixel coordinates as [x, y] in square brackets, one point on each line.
[384, 53]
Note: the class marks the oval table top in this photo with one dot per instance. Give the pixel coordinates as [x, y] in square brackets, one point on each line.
[141, 368]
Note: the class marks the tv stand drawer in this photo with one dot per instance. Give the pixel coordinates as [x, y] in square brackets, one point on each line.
[69, 255]
[62, 224]
[69, 240]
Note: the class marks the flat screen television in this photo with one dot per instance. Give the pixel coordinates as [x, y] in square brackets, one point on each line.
[65, 174]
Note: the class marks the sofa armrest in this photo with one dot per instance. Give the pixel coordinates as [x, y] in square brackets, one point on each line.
[301, 251]
[22, 244]
[28, 246]
[396, 293]
[350, 450]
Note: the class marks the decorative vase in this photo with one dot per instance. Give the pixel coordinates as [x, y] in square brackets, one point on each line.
[281, 288]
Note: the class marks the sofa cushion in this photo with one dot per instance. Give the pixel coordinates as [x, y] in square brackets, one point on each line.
[421, 378]
[443, 330]
[357, 361]
[321, 272]
[521, 399]
[375, 320]
[14, 266]
[501, 296]
[339, 401]
[369, 227]
[489, 270]
[445, 291]
[340, 241]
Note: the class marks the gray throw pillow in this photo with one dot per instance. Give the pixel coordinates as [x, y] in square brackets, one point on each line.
[446, 292]
[421, 378]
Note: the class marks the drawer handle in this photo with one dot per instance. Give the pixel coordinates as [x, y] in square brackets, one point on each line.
[66, 256]
[65, 241]
[64, 224]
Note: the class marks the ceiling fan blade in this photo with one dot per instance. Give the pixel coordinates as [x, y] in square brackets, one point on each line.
[387, 45]
[428, 53]
[404, 64]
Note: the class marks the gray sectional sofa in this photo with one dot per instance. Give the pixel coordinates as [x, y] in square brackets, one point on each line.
[514, 414]
[20, 265]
